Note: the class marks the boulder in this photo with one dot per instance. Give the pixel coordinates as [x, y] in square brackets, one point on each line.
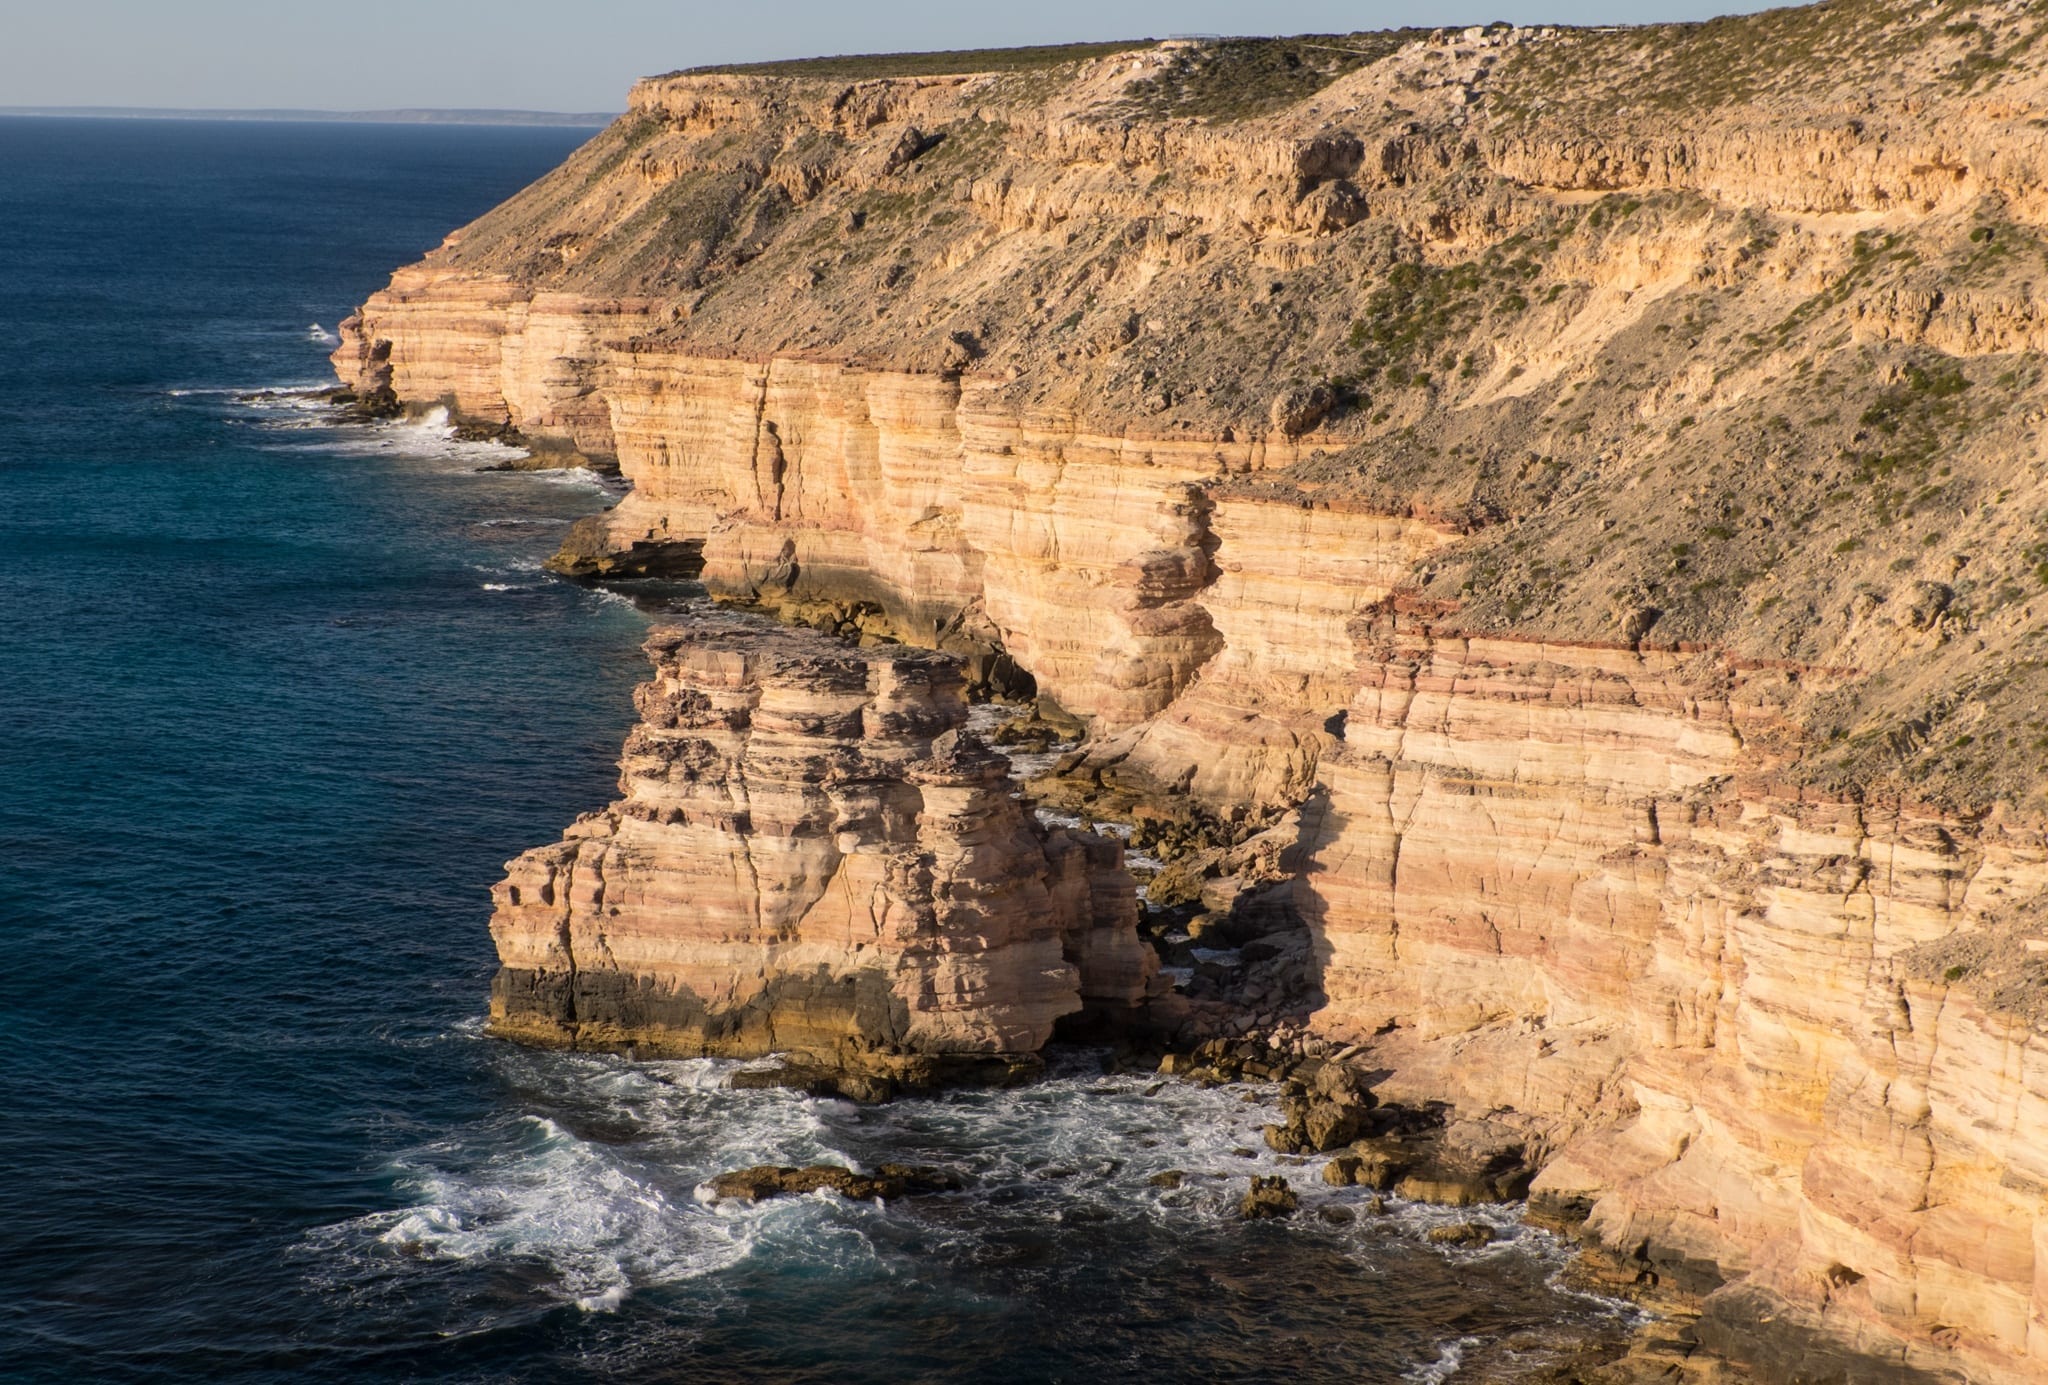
[1269, 1197]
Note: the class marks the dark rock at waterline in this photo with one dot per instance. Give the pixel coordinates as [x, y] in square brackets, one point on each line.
[1467, 1163]
[550, 459]
[380, 402]
[1029, 734]
[1337, 1214]
[587, 552]
[1327, 1107]
[478, 430]
[1462, 1164]
[1466, 1234]
[1244, 1060]
[887, 1181]
[869, 1089]
[917, 1074]
[1171, 1178]
[1269, 1197]
[1377, 1164]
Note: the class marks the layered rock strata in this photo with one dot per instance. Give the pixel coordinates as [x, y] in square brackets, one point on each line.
[1573, 487]
[811, 857]
[495, 351]
[1570, 883]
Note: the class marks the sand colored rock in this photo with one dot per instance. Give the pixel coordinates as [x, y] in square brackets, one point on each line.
[497, 352]
[815, 487]
[1582, 479]
[810, 857]
[1291, 573]
[1566, 880]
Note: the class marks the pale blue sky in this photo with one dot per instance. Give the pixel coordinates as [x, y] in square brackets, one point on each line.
[582, 54]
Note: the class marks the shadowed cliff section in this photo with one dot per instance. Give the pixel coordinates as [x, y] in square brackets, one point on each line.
[1541, 528]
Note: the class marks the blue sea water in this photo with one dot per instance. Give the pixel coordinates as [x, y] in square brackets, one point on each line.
[278, 696]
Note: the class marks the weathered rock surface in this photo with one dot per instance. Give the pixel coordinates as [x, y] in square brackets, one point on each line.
[811, 857]
[778, 1180]
[1567, 880]
[1467, 1235]
[1269, 1197]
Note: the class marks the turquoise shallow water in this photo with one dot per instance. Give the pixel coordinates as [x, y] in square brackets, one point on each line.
[277, 698]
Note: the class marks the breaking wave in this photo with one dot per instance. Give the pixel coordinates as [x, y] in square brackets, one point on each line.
[592, 1198]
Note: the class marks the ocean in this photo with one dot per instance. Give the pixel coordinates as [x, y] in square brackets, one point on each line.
[279, 694]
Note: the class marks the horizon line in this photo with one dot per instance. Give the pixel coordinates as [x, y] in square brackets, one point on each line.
[396, 115]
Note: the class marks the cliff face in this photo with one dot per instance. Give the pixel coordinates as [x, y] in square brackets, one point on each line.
[1570, 878]
[1577, 489]
[811, 857]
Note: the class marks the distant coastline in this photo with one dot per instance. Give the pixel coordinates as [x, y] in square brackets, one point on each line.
[577, 119]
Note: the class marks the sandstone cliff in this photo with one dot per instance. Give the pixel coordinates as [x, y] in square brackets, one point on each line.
[811, 857]
[1566, 505]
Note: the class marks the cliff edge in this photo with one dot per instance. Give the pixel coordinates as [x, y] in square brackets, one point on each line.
[1544, 527]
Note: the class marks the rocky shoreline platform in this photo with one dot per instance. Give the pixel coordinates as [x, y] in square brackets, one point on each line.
[1522, 554]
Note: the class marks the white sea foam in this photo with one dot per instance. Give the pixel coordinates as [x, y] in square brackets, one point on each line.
[605, 1217]
[316, 332]
[599, 1219]
[595, 1194]
[605, 596]
[580, 477]
[281, 394]
[598, 1223]
[305, 414]
[1446, 1365]
[986, 718]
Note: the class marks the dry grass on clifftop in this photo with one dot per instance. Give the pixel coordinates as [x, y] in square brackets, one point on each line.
[1739, 324]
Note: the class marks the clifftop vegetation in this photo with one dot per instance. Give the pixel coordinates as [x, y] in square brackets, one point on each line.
[1728, 334]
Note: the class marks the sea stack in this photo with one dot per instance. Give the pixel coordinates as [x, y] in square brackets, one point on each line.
[812, 856]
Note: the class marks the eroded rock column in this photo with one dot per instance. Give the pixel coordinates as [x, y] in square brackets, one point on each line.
[811, 856]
